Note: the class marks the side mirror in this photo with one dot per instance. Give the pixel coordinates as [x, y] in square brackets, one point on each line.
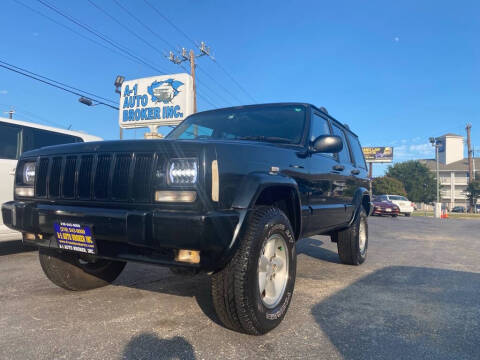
[327, 144]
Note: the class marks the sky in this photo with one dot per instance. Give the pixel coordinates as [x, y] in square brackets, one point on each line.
[396, 72]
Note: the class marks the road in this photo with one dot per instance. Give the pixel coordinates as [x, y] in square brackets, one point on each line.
[417, 296]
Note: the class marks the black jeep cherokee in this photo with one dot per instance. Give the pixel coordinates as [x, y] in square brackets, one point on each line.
[228, 192]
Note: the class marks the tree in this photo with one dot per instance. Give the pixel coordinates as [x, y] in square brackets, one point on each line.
[473, 193]
[388, 185]
[418, 180]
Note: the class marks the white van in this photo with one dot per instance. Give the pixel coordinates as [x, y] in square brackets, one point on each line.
[17, 137]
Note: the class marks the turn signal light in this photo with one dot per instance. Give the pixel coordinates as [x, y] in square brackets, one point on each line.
[175, 196]
[24, 191]
[188, 256]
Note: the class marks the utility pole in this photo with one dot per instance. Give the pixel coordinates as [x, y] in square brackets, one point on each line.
[438, 205]
[470, 159]
[204, 50]
[370, 175]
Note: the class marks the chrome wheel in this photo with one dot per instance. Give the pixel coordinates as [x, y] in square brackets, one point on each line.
[362, 236]
[273, 270]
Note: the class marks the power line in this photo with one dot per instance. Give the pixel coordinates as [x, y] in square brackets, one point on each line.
[54, 85]
[171, 23]
[231, 78]
[123, 26]
[143, 24]
[57, 82]
[154, 33]
[219, 84]
[203, 84]
[99, 35]
[34, 116]
[197, 45]
[79, 34]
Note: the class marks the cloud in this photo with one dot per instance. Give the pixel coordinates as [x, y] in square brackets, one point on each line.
[3, 92]
[413, 152]
[396, 39]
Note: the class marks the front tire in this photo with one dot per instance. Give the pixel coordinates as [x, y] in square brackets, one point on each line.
[352, 242]
[253, 292]
[69, 271]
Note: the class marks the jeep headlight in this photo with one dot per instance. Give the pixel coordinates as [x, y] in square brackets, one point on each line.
[28, 173]
[182, 171]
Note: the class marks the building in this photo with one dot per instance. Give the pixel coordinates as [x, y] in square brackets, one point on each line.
[453, 170]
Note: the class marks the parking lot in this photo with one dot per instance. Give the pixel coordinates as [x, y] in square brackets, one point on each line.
[417, 296]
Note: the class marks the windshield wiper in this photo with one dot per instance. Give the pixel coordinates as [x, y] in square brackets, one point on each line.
[265, 138]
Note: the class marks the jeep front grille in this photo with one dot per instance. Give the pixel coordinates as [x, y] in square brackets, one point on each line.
[99, 177]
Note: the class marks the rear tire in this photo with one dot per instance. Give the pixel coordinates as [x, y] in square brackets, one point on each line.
[352, 242]
[67, 270]
[407, 214]
[266, 256]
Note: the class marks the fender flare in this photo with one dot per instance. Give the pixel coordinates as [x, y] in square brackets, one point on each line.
[248, 193]
[361, 197]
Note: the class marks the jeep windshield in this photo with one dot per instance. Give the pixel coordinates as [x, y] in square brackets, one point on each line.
[279, 124]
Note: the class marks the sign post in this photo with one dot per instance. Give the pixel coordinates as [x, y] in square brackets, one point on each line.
[156, 101]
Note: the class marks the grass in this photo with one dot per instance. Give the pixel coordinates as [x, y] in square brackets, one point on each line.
[450, 215]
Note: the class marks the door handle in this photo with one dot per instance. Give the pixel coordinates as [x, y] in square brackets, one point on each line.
[11, 172]
[338, 167]
[355, 172]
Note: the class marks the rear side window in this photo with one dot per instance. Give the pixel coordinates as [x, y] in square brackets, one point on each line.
[37, 138]
[357, 151]
[344, 155]
[9, 141]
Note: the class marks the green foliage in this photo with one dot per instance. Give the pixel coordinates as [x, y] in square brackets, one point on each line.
[418, 180]
[473, 191]
[388, 185]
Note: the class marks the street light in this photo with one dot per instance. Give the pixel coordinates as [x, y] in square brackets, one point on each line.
[436, 143]
[118, 83]
[87, 101]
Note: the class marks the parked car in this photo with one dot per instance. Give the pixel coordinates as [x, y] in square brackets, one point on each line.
[405, 205]
[17, 137]
[228, 192]
[459, 209]
[385, 208]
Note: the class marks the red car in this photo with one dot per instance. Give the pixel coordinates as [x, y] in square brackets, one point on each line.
[388, 208]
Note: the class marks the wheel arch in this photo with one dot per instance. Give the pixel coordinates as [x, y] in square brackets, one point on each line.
[361, 199]
[272, 189]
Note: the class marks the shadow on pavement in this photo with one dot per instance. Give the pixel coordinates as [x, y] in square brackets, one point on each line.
[405, 313]
[150, 346]
[313, 247]
[163, 281]
[14, 247]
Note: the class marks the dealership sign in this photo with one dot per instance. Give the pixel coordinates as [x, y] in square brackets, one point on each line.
[156, 101]
[379, 154]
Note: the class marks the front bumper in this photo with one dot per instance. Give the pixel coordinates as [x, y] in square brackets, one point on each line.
[406, 209]
[151, 236]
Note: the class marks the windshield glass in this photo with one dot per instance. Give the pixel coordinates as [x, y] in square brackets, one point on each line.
[282, 123]
[397, 197]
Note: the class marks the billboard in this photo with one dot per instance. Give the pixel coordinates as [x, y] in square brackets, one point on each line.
[157, 100]
[379, 154]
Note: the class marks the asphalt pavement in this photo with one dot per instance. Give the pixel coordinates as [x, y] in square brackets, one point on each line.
[416, 297]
